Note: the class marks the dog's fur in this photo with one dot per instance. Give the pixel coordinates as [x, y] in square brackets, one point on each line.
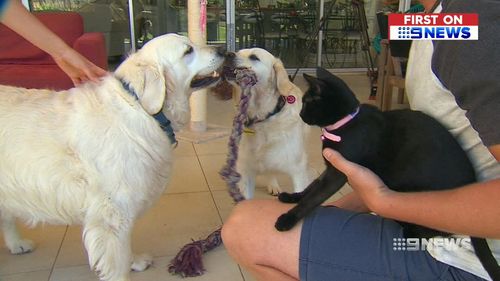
[94, 155]
[278, 141]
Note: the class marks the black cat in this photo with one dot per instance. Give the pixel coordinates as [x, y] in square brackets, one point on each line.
[408, 150]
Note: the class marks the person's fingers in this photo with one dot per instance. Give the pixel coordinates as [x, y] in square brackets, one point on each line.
[88, 75]
[337, 160]
[95, 73]
[99, 71]
[79, 68]
[76, 81]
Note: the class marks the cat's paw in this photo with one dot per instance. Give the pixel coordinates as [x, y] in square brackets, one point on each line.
[286, 222]
[286, 197]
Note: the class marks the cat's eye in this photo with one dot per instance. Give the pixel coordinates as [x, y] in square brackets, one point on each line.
[188, 51]
[254, 58]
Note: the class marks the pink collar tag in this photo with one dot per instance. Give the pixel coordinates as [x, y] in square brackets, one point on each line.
[338, 124]
[290, 99]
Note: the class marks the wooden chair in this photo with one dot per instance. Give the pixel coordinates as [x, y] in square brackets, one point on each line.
[390, 76]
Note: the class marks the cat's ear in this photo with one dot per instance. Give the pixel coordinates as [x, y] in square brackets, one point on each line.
[307, 77]
[310, 79]
[314, 83]
[322, 73]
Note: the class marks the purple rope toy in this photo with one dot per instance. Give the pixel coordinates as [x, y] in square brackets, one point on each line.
[188, 262]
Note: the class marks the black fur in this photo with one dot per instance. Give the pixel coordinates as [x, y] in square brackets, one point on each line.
[408, 150]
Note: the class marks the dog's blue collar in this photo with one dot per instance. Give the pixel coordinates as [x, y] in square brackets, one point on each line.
[282, 100]
[162, 120]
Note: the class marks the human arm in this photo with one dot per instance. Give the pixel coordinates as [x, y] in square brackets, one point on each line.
[351, 202]
[471, 210]
[76, 66]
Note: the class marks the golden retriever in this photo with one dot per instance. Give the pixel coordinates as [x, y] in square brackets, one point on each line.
[95, 155]
[274, 136]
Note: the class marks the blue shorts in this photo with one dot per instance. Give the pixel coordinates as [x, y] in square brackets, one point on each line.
[339, 245]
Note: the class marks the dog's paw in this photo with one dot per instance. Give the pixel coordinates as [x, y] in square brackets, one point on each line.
[142, 262]
[273, 189]
[286, 197]
[286, 222]
[21, 247]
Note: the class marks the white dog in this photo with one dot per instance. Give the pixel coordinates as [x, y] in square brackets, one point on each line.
[274, 136]
[95, 155]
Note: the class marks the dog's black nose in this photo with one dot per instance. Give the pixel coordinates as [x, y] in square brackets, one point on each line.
[221, 51]
[230, 55]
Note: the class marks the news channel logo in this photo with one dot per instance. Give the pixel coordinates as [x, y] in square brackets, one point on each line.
[423, 244]
[433, 27]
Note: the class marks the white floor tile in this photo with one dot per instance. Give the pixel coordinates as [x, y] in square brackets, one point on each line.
[184, 149]
[47, 241]
[187, 176]
[72, 250]
[218, 266]
[218, 146]
[211, 165]
[73, 273]
[27, 276]
[172, 222]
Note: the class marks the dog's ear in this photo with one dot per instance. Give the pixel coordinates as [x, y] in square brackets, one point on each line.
[283, 83]
[152, 94]
[146, 79]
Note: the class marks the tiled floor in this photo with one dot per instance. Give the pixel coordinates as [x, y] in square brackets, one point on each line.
[194, 205]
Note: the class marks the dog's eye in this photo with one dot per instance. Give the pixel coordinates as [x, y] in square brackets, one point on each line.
[254, 57]
[188, 51]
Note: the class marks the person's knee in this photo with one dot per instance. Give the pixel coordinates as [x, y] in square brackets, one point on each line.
[249, 234]
[238, 223]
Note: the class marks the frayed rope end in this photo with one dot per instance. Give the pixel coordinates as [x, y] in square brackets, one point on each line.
[188, 262]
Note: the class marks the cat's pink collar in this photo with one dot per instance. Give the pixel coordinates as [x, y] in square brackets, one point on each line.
[338, 124]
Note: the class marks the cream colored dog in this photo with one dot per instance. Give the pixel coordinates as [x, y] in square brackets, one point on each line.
[94, 155]
[274, 136]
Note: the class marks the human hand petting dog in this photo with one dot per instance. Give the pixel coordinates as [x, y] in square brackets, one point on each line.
[367, 185]
[77, 67]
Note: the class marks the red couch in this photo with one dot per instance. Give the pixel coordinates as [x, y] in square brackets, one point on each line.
[24, 65]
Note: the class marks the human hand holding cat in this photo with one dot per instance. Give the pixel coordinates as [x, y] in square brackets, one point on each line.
[369, 187]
